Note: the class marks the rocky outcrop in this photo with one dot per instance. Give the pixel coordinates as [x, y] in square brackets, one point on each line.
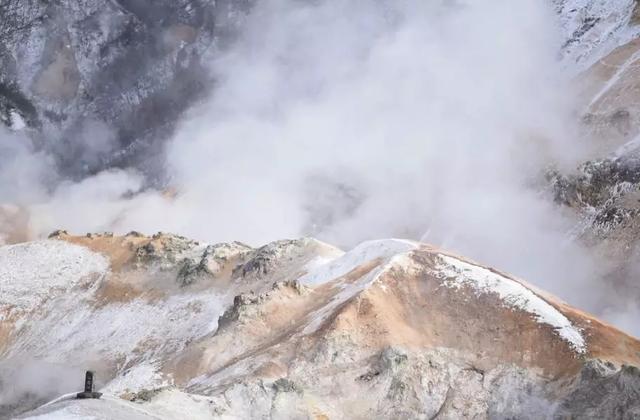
[390, 329]
[100, 79]
[592, 28]
[604, 190]
[105, 81]
[591, 397]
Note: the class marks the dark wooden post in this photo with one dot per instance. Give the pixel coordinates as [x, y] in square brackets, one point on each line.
[88, 387]
[88, 381]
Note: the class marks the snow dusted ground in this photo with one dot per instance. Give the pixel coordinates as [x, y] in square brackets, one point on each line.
[459, 273]
[103, 409]
[16, 121]
[168, 343]
[593, 28]
[51, 300]
[34, 272]
[388, 253]
[331, 269]
[172, 405]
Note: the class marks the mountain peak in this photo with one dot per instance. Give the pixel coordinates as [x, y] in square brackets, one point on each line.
[217, 322]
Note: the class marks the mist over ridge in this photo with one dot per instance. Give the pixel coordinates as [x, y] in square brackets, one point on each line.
[352, 120]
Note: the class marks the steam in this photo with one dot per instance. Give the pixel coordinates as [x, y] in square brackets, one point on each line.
[357, 119]
[27, 383]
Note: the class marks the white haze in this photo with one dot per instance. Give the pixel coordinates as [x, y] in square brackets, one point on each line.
[357, 119]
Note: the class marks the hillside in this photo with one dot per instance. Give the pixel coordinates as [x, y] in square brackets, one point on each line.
[508, 134]
[296, 328]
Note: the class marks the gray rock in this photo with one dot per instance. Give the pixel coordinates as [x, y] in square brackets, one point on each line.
[602, 392]
[104, 81]
[286, 385]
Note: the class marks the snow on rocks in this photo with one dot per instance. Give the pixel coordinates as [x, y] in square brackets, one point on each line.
[96, 409]
[161, 345]
[144, 375]
[62, 315]
[127, 329]
[16, 122]
[458, 273]
[593, 28]
[390, 252]
[364, 253]
[284, 259]
[167, 404]
[31, 272]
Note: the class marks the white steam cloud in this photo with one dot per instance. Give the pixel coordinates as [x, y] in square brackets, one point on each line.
[357, 119]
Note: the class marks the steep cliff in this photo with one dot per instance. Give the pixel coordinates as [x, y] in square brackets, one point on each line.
[107, 76]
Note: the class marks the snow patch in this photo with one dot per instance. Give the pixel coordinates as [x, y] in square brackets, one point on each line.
[16, 122]
[349, 290]
[31, 272]
[172, 403]
[144, 375]
[168, 404]
[593, 28]
[390, 252]
[155, 327]
[365, 252]
[105, 408]
[318, 262]
[458, 274]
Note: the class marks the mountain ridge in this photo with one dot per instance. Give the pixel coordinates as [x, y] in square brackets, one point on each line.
[287, 315]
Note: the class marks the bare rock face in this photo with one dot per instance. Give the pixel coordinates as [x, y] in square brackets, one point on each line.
[104, 75]
[592, 28]
[603, 46]
[597, 383]
[101, 83]
[296, 329]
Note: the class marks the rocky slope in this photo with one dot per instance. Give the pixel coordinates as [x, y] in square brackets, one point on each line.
[603, 40]
[101, 83]
[592, 28]
[295, 329]
[104, 80]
